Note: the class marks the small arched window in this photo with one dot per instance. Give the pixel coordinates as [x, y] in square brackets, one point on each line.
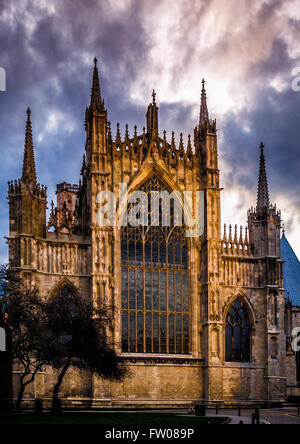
[238, 333]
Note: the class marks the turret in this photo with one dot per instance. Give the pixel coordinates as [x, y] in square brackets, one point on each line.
[264, 220]
[263, 199]
[29, 173]
[95, 161]
[206, 125]
[97, 104]
[207, 153]
[27, 198]
[204, 116]
[95, 119]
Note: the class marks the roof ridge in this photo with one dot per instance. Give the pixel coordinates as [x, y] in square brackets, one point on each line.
[291, 271]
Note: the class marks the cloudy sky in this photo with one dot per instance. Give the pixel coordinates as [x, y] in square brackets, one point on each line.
[247, 50]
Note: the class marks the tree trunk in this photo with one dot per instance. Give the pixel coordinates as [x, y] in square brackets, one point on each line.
[23, 385]
[20, 394]
[58, 384]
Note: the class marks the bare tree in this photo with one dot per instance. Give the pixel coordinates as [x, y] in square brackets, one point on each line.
[80, 340]
[24, 320]
[62, 332]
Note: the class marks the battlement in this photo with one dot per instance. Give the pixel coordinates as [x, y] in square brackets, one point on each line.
[16, 187]
[262, 213]
[64, 186]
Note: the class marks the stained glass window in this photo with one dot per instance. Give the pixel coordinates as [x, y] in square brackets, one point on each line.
[155, 284]
[238, 333]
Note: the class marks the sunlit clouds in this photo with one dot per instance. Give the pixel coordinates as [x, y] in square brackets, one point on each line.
[245, 50]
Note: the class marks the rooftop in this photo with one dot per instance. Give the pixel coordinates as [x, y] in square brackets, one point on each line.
[291, 272]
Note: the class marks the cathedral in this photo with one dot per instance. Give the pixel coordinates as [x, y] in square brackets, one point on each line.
[203, 319]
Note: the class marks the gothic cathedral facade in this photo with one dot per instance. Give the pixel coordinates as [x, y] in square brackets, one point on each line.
[196, 319]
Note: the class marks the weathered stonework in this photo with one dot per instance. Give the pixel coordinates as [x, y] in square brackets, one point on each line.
[73, 250]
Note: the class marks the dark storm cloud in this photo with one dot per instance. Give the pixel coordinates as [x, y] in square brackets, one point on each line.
[47, 50]
[42, 53]
[273, 118]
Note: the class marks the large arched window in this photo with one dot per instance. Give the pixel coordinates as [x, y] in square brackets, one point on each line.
[238, 333]
[155, 285]
[66, 298]
[64, 307]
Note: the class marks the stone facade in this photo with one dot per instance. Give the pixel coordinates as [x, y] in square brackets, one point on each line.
[73, 250]
[292, 317]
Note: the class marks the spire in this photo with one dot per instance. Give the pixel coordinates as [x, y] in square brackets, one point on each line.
[118, 139]
[153, 98]
[29, 173]
[135, 138]
[126, 134]
[96, 100]
[230, 234]
[189, 145]
[144, 137]
[204, 117]
[109, 131]
[181, 148]
[52, 219]
[235, 239]
[165, 144]
[225, 233]
[152, 117]
[241, 240]
[173, 143]
[246, 241]
[263, 200]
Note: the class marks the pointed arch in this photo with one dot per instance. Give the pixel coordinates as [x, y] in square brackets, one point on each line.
[241, 295]
[65, 283]
[142, 176]
[155, 311]
[239, 321]
[155, 169]
[150, 169]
